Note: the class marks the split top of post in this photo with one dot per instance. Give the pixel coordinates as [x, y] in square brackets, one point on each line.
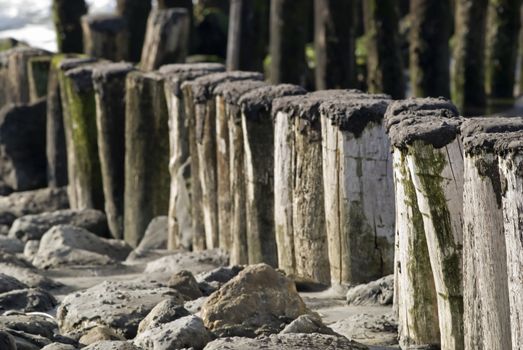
[82, 76]
[485, 134]
[104, 72]
[434, 121]
[260, 100]
[108, 23]
[232, 91]
[177, 74]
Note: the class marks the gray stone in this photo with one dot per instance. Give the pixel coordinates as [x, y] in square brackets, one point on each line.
[15, 260]
[112, 345]
[195, 262]
[9, 283]
[11, 245]
[59, 346]
[31, 248]
[7, 342]
[195, 306]
[186, 332]
[117, 305]
[211, 281]
[99, 333]
[166, 311]
[31, 324]
[31, 227]
[259, 300]
[155, 236]
[286, 342]
[66, 245]
[307, 324]
[185, 283]
[29, 276]
[379, 330]
[27, 300]
[379, 292]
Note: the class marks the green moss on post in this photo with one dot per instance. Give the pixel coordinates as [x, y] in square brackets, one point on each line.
[66, 18]
[38, 72]
[147, 176]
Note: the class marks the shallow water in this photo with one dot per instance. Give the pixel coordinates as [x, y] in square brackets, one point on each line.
[30, 20]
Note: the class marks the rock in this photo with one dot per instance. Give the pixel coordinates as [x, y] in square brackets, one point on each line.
[379, 330]
[117, 305]
[31, 248]
[31, 227]
[66, 245]
[185, 283]
[258, 300]
[308, 324]
[15, 260]
[59, 346]
[99, 333]
[195, 262]
[195, 306]
[22, 146]
[112, 345]
[9, 283]
[211, 281]
[27, 300]
[155, 236]
[30, 277]
[379, 292]
[186, 332]
[26, 341]
[7, 341]
[30, 324]
[32, 202]
[286, 342]
[166, 311]
[11, 245]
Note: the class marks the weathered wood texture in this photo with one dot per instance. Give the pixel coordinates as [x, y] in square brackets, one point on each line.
[288, 37]
[109, 86]
[248, 34]
[79, 112]
[106, 36]
[181, 234]
[38, 75]
[135, 13]
[166, 39]
[359, 191]
[66, 18]
[147, 175]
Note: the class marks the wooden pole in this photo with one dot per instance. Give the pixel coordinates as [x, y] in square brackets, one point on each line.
[288, 37]
[66, 18]
[247, 44]
[166, 39]
[468, 75]
[358, 187]
[135, 13]
[109, 86]
[429, 47]
[79, 108]
[205, 132]
[335, 43]
[509, 149]
[106, 36]
[486, 296]
[38, 76]
[147, 175]
[227, 96]
[180, 224]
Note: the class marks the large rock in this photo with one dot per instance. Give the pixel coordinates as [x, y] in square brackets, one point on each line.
[258, 300]
[379, 292]
[31, 227]
[185, 283]
[117, 305]
[112, 345]
[7, 342]
[313, 341]
[31, 324]
[23, 164]
[186, 332]
[66, 245]
[9, 283]
[11, 245]
[27, 300]
[166, 311]
[195, 262]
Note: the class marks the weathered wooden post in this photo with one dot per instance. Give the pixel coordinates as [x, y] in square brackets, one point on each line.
[429, 47]
[428, 167]
[66, 18]
[38, 75]
[79, 112]
[147, 175]
[384, 63]
[335, 43]
[509, 147]
[468, 74]
[166, 39]
[205, 132]
[288, 37]
[485, 292]
[135, 13]
[358, 187]
[248, 34]
[180, 222]
[106, 36]
[109, 87]
[227, 95]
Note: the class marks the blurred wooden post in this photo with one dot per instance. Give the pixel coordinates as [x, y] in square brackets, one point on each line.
[106, 36]
[135, 13]
[166, 39]
[335, 43]
[66, 18]
[38, 76]
[146, 154]
[109, 86]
